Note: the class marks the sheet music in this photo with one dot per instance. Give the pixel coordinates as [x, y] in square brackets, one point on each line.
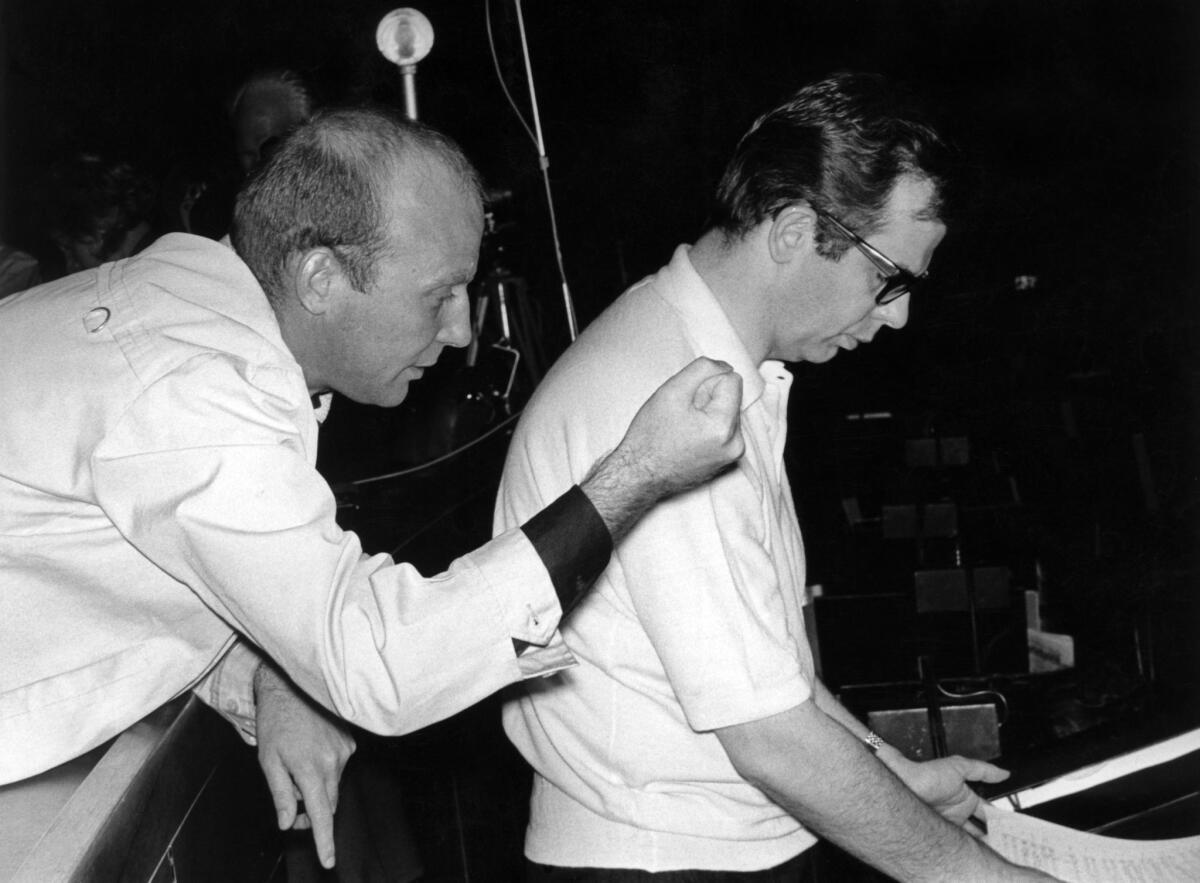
[1080, 857]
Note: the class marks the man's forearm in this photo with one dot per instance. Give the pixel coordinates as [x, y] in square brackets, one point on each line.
[814, 768]
[622, 492]
[575, 535]
[829, 704]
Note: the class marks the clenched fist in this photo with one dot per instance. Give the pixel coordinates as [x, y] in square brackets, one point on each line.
[689, 429]
[687, 432]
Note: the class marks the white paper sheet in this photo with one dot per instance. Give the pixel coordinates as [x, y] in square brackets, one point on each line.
[1080, 857]
[1106, 771]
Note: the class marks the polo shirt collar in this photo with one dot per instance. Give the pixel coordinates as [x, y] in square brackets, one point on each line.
[706, 322]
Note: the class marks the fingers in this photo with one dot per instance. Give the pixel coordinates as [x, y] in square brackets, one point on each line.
[699, 370]
[719, 394]
[309, 801]
[283, 792]
[967, 806]
[302, 751]
[687, 431]
[320, 814]
[978, 770]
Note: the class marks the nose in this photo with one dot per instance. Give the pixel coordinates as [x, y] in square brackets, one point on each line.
[456, 320]
[894, 314]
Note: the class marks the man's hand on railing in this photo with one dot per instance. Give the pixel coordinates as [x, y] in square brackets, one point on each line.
[302, 750]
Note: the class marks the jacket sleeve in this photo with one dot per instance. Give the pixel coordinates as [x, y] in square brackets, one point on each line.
[208, 475]
[228, 689]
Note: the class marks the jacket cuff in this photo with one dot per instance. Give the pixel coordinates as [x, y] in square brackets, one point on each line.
[573, 542]
[229, 689]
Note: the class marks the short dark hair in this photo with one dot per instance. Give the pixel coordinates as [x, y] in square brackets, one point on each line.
[322, 187]
[840, 145]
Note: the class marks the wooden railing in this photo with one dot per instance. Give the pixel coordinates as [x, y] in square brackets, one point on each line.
[176, 797]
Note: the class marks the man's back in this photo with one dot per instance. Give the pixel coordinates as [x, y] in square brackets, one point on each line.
[695, 625]
[146, 357]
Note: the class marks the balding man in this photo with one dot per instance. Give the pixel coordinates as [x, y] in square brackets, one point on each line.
[158, 496]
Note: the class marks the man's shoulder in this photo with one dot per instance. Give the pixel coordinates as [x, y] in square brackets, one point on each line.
[188, 301]
[189, 281]
[639, 334]
[622, 357]
[196, 269]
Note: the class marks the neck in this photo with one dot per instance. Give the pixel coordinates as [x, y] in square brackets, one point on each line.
[294, 331]
[731, 272]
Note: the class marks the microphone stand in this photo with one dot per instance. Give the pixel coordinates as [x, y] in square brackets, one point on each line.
[544, 164]
[408, 73]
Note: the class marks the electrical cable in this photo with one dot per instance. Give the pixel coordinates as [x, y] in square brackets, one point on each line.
[449, 454]
[487, 17]
[980, 694]
[540, 147]
[544, 165]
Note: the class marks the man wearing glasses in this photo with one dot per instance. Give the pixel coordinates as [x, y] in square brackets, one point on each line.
[693, 740]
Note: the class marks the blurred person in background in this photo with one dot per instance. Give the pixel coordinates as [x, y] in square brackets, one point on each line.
[198, 193]
[18, 270]
[93, 211]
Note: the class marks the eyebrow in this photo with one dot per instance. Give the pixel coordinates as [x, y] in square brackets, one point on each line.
[438, 287]
[459, 275]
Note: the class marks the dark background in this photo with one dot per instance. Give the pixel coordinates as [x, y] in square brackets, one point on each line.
[1079, 391]
[1079, 116]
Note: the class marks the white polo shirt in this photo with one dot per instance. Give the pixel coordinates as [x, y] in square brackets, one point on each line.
[695, 625]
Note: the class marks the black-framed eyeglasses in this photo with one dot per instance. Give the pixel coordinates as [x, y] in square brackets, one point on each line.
[897, 280]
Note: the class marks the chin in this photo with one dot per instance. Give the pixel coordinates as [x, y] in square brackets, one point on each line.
[824, 354]
[395, 396]
[389, 397]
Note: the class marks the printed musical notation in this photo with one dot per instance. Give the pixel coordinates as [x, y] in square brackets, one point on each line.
[1080, 857]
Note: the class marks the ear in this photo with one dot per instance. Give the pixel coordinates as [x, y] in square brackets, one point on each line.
[318, 280]
[791, 233]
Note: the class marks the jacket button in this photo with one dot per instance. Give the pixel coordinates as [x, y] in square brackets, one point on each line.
[96, 319]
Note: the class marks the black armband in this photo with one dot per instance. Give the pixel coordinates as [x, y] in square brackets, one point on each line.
[573, 542]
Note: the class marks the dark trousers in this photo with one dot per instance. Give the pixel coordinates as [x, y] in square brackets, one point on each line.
[800, 869]
[370, 830]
